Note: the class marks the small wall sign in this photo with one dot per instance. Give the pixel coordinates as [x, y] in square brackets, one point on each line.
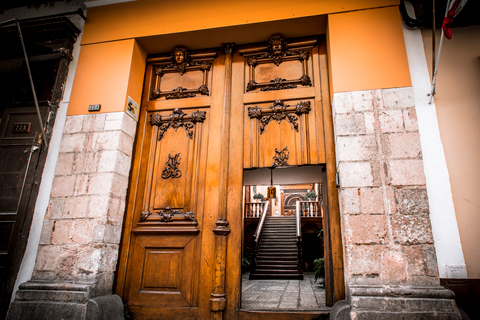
[21, 127]
[94, 107]
[132, 109]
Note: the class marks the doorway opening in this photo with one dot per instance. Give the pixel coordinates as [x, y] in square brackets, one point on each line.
[283, 245]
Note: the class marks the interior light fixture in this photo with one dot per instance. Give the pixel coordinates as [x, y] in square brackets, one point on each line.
[271, 191]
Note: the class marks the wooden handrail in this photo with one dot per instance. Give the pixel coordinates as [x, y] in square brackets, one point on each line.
[257, 235]
[260, 225]
[299, 235]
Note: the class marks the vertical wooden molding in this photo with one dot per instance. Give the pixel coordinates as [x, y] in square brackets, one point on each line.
[333, 203]
[217, 297]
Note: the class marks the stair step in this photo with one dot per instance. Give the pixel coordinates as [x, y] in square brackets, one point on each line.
[276, 276]
[275, 257]
[276, 271]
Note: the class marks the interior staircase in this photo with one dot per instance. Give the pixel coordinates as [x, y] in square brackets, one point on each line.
[277, 255]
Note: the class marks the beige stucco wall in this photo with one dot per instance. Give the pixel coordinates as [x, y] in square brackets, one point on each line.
[458, 110]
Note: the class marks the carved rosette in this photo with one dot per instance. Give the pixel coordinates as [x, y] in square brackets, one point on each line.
[281, 157]
[278, 112]
[171, 167]
[176, 120]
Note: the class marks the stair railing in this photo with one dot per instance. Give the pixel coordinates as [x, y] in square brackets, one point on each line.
[258, 234]
[299, 235]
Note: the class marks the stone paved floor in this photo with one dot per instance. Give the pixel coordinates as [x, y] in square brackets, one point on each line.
[282, 294]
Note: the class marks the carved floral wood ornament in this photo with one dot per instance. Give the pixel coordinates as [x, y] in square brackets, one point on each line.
[278, 112]
[181, 61]
[171, 167]
[176, 120]
[281, 157]
[277, 51]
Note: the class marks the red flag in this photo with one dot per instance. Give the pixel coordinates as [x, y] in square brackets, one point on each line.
[453, 10]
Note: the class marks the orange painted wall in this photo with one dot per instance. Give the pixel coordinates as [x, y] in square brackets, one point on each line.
[106, 74]
[367, 50]
[366, 45]
[152, 17]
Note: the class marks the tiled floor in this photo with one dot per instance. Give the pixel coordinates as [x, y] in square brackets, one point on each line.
[282, 294]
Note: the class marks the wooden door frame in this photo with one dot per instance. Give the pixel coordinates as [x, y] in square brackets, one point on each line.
[232, 209]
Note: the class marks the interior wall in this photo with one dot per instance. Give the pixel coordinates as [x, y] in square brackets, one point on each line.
[458, 111]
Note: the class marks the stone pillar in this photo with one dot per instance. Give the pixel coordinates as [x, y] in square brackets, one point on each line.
[79, 245]
[390, 263]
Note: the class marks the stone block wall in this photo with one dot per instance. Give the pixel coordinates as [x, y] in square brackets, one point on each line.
[387, 236]
[82, 228]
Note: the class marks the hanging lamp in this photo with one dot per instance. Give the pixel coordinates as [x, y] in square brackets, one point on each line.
[271, 191]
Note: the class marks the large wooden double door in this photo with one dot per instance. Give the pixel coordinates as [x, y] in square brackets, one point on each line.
[205, 116]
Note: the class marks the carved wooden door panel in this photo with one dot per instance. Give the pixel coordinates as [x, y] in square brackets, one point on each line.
[160, 262]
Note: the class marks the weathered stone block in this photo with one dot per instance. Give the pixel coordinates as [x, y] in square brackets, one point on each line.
[55, 208]
[363, 100]
[113, 121]
[81, 184]
[410, 119]
[112, 234]
[350, 200]
[393, 266]
[101, 183]
[370, 122]
[406, 172]
[94, 122]
[401, 145]
[129, 126]
[412, 200]
[342, 102]
[108, 140]
[82, 231]
[92, 160]
[64, 164]
[391, 121]
[353, 148]
[89, 260]
[126, 144]
[408, 229]
[108, 260]
[371, 200]
[73, 124]
[414, 260]
[365, 229]
[355, 174]
[78, 162]
[46, 233]
[76, 207]
[46, 257]
[119, 186]
[99, 206]
[62, 186]
[62, 231]
[73, 142]
[364, 259]
[396, 98]
[107, 161]
[349, 124]
[123, 164]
